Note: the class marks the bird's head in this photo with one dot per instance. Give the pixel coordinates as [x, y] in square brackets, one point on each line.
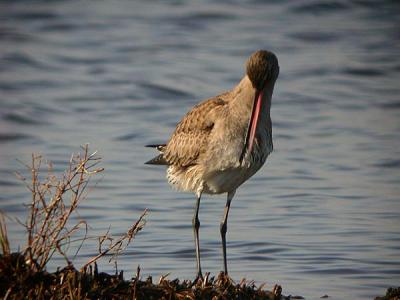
[262, 67]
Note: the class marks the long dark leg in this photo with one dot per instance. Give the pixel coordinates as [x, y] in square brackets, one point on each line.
[224, 227]
[196, 226]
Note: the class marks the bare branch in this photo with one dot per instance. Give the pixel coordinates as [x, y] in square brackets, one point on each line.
[120, 244]
[49, 213]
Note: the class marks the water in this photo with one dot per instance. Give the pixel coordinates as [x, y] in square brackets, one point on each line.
[322, 217]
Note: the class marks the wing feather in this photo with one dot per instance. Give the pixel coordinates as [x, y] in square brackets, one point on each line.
[190, 138]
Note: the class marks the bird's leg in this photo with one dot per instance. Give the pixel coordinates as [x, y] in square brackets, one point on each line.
[224, 227]
[196, 226]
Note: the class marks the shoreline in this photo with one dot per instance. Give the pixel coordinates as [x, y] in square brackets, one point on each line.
[19, 280]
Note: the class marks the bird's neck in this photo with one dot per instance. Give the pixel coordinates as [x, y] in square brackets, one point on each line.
[243, 98]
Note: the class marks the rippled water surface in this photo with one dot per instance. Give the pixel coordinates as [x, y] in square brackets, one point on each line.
[322, 217]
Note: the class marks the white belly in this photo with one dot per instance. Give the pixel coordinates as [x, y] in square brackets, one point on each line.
[221, 172]
[216, 182]
[228, 180]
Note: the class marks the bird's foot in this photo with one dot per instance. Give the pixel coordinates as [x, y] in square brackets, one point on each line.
[277, 292]
[224, 278]
[198, 280]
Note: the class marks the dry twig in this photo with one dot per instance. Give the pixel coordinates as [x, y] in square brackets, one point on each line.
[116, 247]
[4, 243]
[54, 201]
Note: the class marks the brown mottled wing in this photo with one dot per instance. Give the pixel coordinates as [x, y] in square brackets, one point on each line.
[191, 135]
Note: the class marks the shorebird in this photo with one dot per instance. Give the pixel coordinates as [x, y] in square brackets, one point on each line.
[221, 142]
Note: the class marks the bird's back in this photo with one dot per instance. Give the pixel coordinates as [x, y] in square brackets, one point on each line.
[188, 144]
[190, 139]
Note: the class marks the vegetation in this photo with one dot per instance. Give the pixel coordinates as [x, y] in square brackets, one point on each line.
[53, 225]
[391, 294]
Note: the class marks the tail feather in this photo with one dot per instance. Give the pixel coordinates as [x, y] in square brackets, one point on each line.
[159, 147]
[159, 159]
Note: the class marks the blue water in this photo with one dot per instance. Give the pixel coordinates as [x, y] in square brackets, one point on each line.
[321, 217]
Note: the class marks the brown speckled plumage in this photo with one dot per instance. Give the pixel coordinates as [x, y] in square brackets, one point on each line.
[189, 140]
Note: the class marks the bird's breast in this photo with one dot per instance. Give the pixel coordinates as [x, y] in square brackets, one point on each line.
[225, 172]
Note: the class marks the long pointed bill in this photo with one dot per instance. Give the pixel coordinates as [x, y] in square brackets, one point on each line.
[251, 129]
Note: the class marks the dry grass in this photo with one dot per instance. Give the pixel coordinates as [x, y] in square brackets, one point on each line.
[391, 294]
[4, 243]
[68, 283]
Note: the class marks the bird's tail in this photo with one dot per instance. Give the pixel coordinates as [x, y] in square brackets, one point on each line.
[159, 159]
